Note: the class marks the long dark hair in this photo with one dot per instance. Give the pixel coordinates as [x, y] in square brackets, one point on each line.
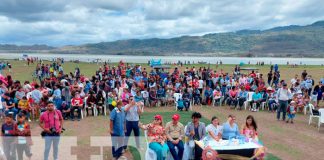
[253, 122]
[213, 118]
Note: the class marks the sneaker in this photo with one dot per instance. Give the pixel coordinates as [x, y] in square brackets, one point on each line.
[78, 119]
[72, 119]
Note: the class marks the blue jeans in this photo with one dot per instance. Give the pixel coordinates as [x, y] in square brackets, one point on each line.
[58, 103]
[223, 90]
[9, 148]
[160, 150]
[173, 151]
[132, 126]
[282, 108]
[48, 142]
[78, 110]
[14, 110]
[117, 145]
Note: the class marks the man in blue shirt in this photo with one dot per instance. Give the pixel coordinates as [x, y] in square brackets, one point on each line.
[117, 126]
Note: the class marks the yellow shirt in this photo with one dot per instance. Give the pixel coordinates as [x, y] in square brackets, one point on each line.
[23, 104]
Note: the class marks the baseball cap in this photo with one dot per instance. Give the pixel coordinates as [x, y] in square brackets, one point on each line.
[176, 117]
[158, 117]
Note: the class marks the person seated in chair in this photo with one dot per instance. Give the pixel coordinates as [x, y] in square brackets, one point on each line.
[242, 97]
[208, 95]
[256, 98]
[91, 101]
[217, 96]
[175, 134]
[77, 104]
[232, 99]
[186, 99]
[65, 110]
[157, 137]
[152, 97]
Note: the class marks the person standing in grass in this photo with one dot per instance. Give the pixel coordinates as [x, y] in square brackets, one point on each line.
[8, 133]
[51, 121]
[133, 111]
[117, 130]
[291, 110]
[22, 130]
[282, 97]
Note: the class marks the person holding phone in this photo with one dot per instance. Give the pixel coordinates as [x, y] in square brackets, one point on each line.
[133, 111]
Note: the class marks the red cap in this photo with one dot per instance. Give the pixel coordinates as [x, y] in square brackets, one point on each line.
[176, 117]
[158, 117]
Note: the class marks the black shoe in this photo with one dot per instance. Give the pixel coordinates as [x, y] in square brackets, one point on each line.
[72, 119]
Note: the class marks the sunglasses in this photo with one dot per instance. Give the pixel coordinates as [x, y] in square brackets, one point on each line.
[156, 119]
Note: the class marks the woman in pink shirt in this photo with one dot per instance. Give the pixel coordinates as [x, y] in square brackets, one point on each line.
[232, 96]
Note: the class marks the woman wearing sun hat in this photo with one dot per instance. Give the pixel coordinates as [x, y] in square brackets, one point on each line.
[157, 137]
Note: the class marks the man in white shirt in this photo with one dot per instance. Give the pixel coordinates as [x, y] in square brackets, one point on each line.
[200, 85]
[282, 99]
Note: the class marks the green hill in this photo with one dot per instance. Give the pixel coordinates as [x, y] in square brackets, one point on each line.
[287, 41]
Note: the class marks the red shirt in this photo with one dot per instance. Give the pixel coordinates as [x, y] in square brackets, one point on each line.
[76, 101]
[253, 75]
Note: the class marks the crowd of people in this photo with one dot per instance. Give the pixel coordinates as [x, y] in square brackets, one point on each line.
[128, 88]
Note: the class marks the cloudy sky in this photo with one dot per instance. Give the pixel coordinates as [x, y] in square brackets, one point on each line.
[72, 22]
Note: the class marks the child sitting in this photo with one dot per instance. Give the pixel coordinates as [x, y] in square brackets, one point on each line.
[180, 104]
[23, 105]
[217, 96]
[291, 110]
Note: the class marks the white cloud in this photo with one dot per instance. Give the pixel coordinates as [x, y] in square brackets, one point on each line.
[62, 22]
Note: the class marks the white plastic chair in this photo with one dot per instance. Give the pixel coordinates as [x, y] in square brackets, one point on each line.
[309, 107]
[321, 118]
[220, 101]
[75, 110]
[176, 96]
[246, 103]
[94, 108]
[149, 154]
[311, 116]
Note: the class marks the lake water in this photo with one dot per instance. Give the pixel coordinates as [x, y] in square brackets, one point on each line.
[171, 59]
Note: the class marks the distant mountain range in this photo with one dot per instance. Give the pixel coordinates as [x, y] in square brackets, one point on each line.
[287, 41]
